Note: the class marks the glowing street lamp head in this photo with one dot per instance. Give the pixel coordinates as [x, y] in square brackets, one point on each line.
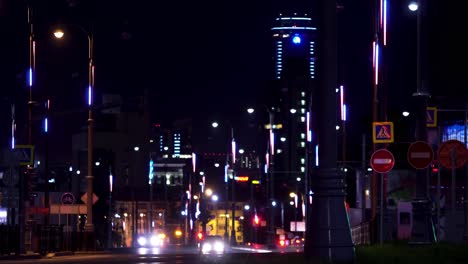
[413, 6]
[58, 33]
[215, 124]
[296, 39]
[250, 110]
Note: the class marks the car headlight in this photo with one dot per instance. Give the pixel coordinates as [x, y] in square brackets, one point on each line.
[206, 247]
[142, 241]
[154, 241]
[219, 247]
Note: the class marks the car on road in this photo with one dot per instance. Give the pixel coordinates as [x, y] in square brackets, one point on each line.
[152, 240]
[212, 245]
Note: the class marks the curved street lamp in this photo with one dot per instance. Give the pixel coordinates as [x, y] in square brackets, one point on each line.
[59, 34]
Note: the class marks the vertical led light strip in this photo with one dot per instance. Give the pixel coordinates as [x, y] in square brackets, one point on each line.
[46, 125]
[279, 59]
[13, 134]
[376, 71]
[272, 142]
[308, 131]
[89, 95]
[226, 173]
[317, 155]
[385, 22]
[233, 149]
[151, 171]
[342, 102]
[312, 61]
[111, 182]
[267, 162]
[194, 161]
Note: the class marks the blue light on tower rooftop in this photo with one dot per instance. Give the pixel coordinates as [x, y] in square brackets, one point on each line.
[296, 39]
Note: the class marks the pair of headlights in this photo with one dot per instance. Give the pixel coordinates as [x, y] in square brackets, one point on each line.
[153, 241]
[216, 247]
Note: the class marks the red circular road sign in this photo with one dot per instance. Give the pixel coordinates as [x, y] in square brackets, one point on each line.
[445, 154]
[420, 155]
[382, 161]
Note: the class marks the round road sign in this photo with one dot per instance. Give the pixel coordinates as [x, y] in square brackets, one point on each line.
[382, 161]
[445, 154]
[420, 154]
[68, 198]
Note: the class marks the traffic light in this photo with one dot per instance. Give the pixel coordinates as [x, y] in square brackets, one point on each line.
[200, 236]
[256, 220]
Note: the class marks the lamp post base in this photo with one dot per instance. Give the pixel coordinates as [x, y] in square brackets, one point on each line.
[422, 232]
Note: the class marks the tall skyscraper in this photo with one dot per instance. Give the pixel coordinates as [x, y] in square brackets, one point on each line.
[294, 39]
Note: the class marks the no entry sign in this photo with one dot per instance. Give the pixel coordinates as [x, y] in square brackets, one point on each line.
[452, 154]
[382, 161]
[420, 155]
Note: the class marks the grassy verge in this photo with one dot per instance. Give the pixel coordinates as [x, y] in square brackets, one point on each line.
[387, 254]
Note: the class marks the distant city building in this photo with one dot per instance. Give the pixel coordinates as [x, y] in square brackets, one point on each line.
[294, 41]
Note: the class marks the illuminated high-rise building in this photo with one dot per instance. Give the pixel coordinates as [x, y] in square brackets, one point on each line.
[294, 42]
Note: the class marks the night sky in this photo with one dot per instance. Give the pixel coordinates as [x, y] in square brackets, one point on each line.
[213, 58]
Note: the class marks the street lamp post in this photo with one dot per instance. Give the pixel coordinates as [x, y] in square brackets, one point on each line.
[328, 231]
[89, 226]
[422, 226]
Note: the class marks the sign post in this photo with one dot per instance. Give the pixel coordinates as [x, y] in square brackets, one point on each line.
[382, 161]
[453, 155]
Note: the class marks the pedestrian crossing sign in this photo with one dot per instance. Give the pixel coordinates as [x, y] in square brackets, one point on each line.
[431, 116]
[382, 132]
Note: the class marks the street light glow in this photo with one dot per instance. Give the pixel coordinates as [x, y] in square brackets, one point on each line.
[59, 33]
[250, 110]
[405, 113]
[215, 124]
[413, 6]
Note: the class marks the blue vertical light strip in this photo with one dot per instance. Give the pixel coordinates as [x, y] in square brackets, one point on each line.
[345, 112]
[90, 95]
[13, 133]
[151, 171]
[30, 74]
[312, 61]
[46, 125]
[385, 22]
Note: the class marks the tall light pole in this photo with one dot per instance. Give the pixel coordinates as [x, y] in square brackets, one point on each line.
[89, 226]
[328, 231]
[422, 226]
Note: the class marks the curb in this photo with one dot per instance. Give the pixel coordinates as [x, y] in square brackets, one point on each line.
[21, 256]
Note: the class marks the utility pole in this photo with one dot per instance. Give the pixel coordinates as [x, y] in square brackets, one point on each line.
[329, 236]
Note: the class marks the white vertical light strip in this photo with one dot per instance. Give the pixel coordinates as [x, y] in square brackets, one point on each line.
[308, 131]
[226, 173]
[233, 149]
[342, 103]
[272, 142]
[376, 64]
[279, 59]
[194, 161]
[317, 155]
